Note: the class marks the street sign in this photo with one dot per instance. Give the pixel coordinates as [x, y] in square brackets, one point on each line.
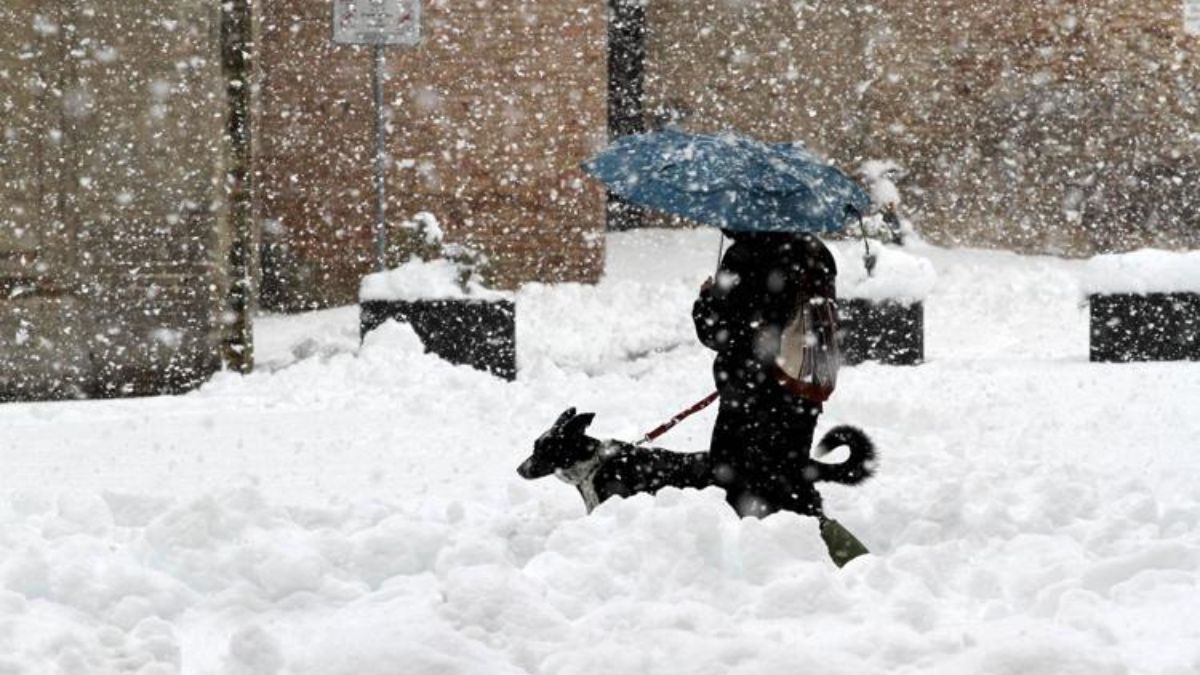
[1191, 17]
[377, 22]
[381, 24]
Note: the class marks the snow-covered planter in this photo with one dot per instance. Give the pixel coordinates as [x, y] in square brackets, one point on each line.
[447, 305]
[1144, 306]
[882, 314]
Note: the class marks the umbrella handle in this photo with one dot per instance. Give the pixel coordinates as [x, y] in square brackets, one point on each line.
[720, 252]
[868, 259]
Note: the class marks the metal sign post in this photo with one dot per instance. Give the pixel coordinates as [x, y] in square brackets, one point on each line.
[378, 23]
[380, 160]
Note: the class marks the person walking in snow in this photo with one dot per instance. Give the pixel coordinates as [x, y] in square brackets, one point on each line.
[772, 299]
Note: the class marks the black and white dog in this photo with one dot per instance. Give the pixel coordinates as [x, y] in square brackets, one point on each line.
[606, 468]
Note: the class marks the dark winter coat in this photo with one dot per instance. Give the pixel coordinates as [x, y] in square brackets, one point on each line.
[763, 433]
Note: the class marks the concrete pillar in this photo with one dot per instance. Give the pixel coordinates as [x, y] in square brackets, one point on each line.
[119, 246]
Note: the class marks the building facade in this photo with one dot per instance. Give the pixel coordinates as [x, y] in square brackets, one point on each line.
[127, 228]
[1067, 127]
[488, 119]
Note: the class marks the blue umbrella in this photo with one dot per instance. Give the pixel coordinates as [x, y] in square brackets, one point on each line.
[729, 181]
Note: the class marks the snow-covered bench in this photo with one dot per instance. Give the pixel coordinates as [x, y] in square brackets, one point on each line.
[882, 315]
[474, 326]
[1144, 306]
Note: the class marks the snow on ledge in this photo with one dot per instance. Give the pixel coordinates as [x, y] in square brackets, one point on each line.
[1143, 271]
[423, 280]
[898, 275]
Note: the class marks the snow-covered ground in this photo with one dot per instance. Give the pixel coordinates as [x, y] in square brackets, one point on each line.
[355, 510]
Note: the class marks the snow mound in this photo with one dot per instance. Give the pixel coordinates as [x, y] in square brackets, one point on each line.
[598, 328]
[1144, 271]
[230, 582]
[898, 274]
[436, 279]
[879, 175]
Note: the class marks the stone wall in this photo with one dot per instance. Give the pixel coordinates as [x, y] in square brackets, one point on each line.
[490, 117]
[1063, 127]
[111, 197]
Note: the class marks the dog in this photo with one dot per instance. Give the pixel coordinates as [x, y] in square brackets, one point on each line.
[602, 469]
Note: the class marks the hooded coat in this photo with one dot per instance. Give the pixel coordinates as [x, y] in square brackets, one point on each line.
[763, 432]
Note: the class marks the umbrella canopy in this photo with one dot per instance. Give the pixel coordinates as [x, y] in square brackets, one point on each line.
[729, 181]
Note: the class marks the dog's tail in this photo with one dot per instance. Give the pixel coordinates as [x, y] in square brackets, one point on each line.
[859, 467]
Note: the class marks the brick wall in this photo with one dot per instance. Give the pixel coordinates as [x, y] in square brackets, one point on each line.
[490, 118]
[111, 197]
[777, 71]
[1060, 127]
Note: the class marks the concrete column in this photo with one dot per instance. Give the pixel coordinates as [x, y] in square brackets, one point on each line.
[121, 247]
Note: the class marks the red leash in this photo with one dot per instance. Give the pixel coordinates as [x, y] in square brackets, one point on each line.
[667, 426]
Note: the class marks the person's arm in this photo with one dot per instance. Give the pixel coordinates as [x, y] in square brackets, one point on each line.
[706, 316]
[719, 313]
[818, 278]
[827, 267]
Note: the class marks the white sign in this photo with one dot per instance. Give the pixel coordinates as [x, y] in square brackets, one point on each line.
[1191, 17]
[377, 22]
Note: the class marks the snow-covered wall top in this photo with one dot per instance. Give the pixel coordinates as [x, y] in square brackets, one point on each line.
[1144, 271]
[423, 280]
[898, 275]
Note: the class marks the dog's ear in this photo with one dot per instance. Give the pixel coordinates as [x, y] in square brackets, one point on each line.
[578, 424]
[567, 416]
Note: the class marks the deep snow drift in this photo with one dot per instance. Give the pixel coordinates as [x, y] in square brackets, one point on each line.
[356, 510]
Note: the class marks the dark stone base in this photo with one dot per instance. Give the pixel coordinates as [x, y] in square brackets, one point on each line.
[1152, 327]
[477, 333]
[888, 332]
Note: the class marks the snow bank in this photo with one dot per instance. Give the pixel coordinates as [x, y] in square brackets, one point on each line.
[898, 274]
[1144, 271]
[436, 279]
[356, 509]
[589, 336]
[511, 584]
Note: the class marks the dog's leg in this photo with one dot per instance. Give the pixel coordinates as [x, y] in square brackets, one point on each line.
[587, 490]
